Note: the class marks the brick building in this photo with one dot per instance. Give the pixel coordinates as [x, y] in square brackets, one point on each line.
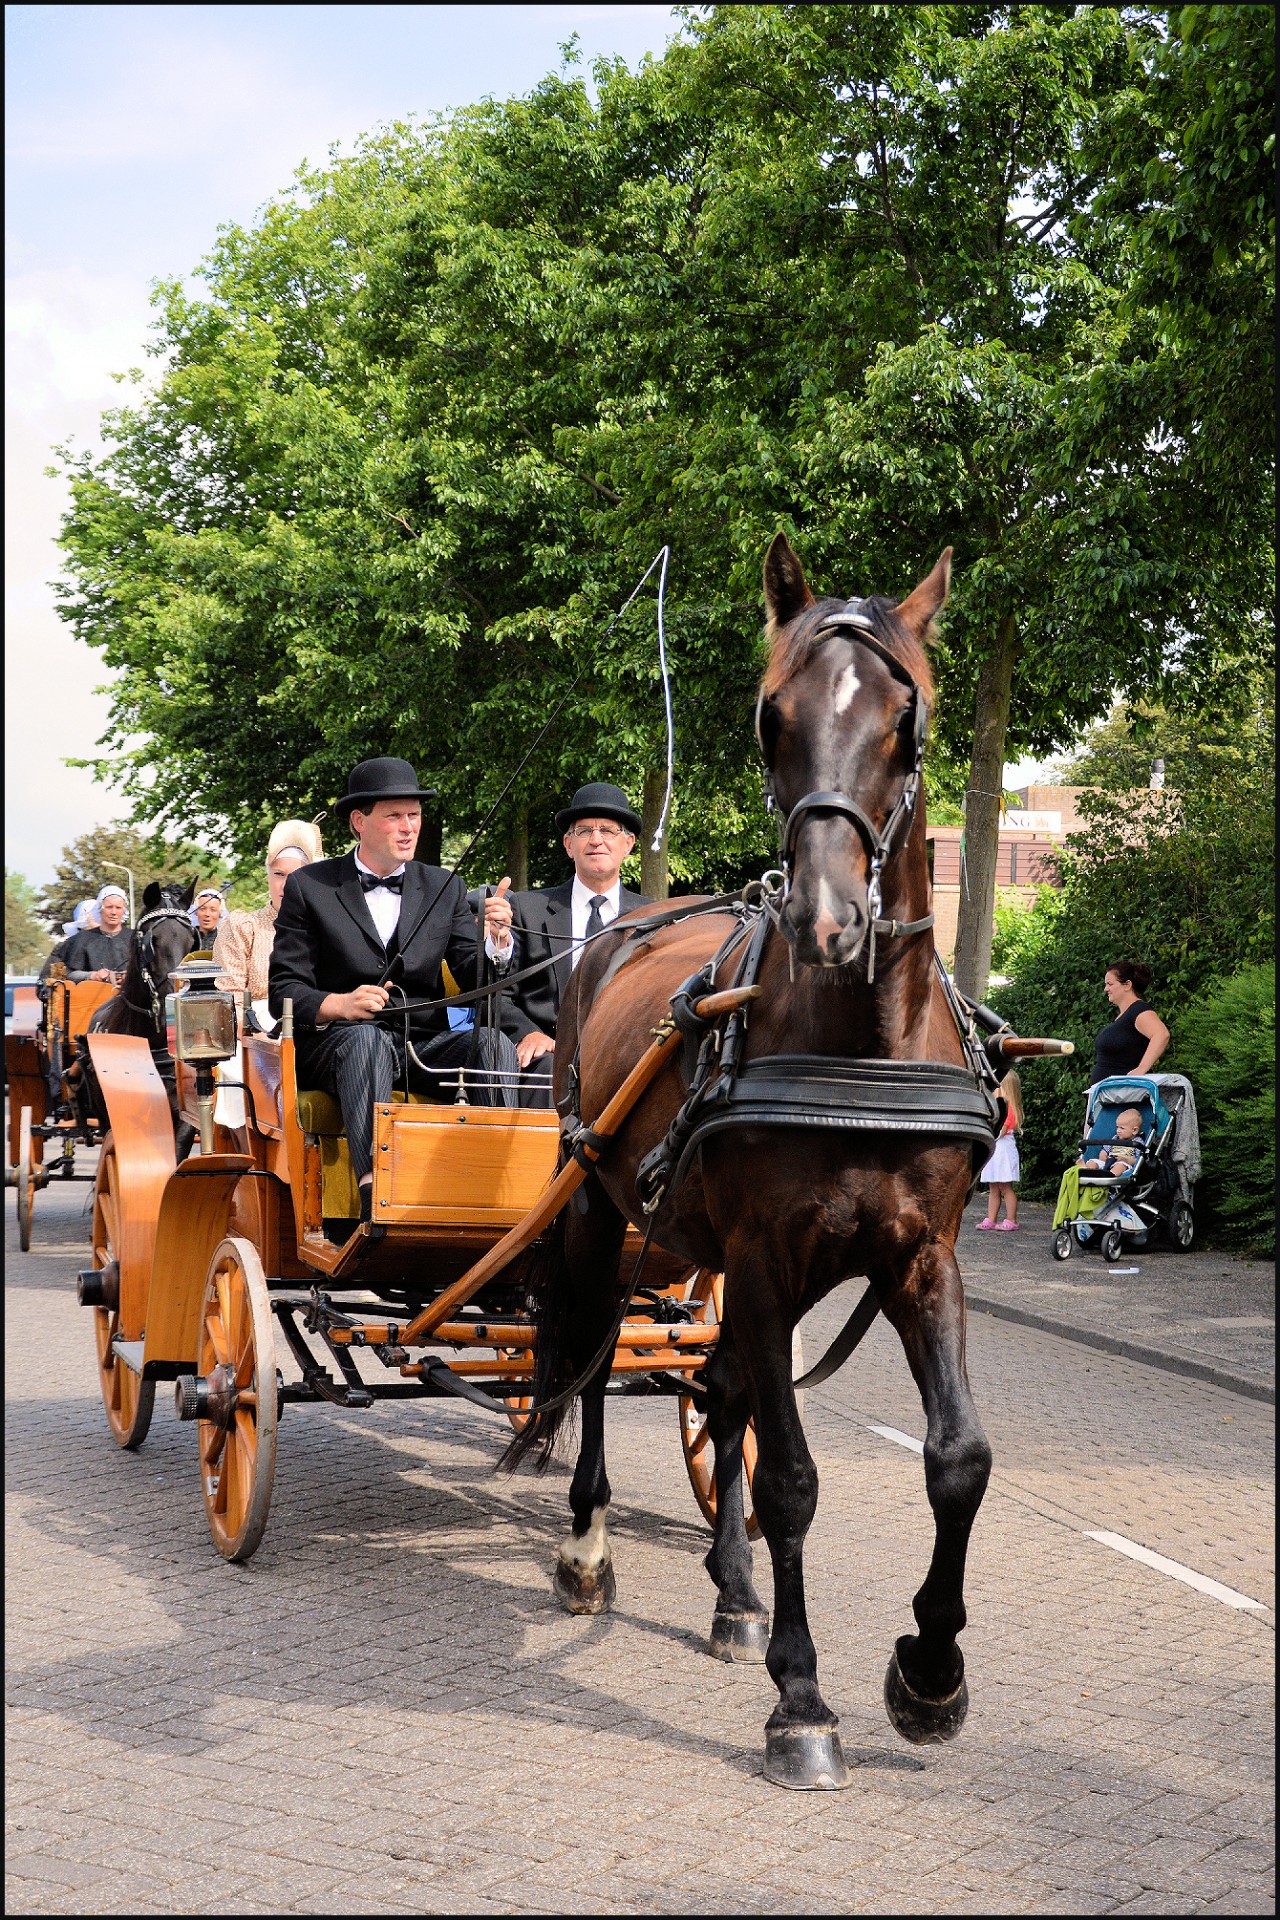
[1026, 858]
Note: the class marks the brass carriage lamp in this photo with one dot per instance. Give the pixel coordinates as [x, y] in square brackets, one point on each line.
[202, 1028]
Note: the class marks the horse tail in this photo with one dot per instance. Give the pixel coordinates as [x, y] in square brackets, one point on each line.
[547, 1281]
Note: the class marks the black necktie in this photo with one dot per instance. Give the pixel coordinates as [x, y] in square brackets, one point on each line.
[369, 882]
[594, 923]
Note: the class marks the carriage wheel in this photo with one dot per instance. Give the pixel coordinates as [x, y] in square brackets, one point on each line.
[238, 1450]
[516, 1404]
[128, 1400]
[706, 1291]
[26, 1184]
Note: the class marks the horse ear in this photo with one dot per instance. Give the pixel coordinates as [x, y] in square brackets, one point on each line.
[922, 607]
[786, 591]
[189, 891]
[150, 895]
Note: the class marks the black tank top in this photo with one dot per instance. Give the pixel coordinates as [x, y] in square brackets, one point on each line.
[1120, 1046]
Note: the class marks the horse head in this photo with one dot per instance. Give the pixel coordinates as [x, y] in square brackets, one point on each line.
[164, 935]
[841, 721]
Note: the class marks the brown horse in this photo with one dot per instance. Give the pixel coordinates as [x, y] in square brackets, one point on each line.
[788, 1214]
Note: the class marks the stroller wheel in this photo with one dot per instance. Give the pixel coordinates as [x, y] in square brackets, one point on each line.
[1061, 1244]
[1112, 1244]
[1182, 1226]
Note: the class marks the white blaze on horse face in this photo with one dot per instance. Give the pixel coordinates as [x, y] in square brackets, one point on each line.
[588, 1552]
[847, 684]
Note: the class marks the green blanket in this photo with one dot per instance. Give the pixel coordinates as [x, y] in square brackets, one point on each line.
[1074, 1200]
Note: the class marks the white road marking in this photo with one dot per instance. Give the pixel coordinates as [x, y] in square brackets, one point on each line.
[903, 1439]
[1189, 1577]
[1174, 1568]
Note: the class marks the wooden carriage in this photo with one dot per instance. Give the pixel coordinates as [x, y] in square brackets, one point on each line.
[49, 1100]
[200, 1268]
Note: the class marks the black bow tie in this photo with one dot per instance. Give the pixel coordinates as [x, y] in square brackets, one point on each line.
[370, 881]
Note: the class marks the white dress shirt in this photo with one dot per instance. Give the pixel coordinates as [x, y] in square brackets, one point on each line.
[580, 908]
[384, 911]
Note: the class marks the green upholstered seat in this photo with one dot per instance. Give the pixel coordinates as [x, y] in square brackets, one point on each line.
[320, 1114]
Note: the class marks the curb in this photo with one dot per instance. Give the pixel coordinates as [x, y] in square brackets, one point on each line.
[1242, 1383]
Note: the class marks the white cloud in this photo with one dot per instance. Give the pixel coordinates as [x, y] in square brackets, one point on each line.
[66, 333]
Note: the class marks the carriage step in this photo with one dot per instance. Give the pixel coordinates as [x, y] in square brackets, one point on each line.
[130, 1351]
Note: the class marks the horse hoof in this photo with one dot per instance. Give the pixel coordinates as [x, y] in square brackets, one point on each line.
[739, 1636]
[580, 1591]
[805, 1758]
[924, 1722]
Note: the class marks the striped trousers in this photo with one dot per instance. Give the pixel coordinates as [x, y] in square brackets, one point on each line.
[359, 1063]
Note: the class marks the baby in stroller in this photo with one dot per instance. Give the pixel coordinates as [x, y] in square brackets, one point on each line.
[1138, 1161]
[1122, 1155]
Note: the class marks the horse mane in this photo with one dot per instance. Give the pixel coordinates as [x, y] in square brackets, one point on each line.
[793, 645]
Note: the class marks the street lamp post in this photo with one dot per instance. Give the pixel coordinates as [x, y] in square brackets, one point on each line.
[121, 868]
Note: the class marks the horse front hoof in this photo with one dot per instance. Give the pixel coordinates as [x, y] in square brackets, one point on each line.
[924, 1722]
[739, 1636]
[805, 1758]
[581, 1591]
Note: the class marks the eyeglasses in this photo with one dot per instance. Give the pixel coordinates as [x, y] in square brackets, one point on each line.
[585, 831]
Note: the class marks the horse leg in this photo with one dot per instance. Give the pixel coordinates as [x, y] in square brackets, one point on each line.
[801, 1746]
[740, 1623]
[584, 1581]
[924, 1690]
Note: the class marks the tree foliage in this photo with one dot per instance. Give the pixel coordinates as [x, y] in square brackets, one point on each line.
[847, 271]
[26, 941]
[1183, 881]
[1226, 1043]
[87, 865]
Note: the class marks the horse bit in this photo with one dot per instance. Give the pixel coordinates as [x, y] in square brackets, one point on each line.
[854, 621]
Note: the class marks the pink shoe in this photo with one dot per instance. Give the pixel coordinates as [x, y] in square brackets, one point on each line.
[985, 1225]
[1007, 1226]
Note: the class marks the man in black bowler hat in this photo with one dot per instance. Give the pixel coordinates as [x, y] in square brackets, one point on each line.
[357, 934]
[599, 827]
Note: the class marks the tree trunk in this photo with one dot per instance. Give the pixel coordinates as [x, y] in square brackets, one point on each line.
[431, 836]
[518, 855]
[653, 866]
[982, 813]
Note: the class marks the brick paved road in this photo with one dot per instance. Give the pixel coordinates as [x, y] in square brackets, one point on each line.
[387, 1712]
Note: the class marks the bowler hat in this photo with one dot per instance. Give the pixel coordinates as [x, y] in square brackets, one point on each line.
[375, 780]
[599, 798]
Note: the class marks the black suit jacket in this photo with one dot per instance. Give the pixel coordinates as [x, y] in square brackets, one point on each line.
[543, 930]
[326, 941]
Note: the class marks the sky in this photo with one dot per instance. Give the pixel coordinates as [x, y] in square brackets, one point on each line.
[133, 133]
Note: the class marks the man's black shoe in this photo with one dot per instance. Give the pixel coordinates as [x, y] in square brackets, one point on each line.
[366, 1211]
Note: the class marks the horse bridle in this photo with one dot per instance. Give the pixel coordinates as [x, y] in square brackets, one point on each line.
[854, 622]
[155, 1011]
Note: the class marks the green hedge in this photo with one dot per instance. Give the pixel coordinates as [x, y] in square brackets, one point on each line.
[1226, 1045]
[1185, 884]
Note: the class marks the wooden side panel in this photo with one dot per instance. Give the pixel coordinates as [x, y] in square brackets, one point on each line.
[84, 997]
[262, 1073]
[142, 1134]
[26, 1089]
[460, 1166]
[194, 1214]
[28, 1014]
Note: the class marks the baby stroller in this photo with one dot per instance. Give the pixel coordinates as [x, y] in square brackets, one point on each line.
[1123, 1209]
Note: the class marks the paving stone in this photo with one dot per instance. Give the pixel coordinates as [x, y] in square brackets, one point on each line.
[386, 1711]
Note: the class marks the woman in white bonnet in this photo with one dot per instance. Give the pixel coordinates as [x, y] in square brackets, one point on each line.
[242, 949]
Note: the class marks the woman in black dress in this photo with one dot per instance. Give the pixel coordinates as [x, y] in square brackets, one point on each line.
[1137, 1037]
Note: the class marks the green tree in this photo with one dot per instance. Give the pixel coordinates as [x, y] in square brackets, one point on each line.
[85, 866]
[840, 270]
[26, 942]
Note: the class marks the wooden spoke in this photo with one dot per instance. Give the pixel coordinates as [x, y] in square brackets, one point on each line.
[25, 1191]
[706, 1291]
[238, 1463]
[127, 1400]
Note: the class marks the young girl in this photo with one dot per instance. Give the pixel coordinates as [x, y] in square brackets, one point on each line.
[1002, 1170]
